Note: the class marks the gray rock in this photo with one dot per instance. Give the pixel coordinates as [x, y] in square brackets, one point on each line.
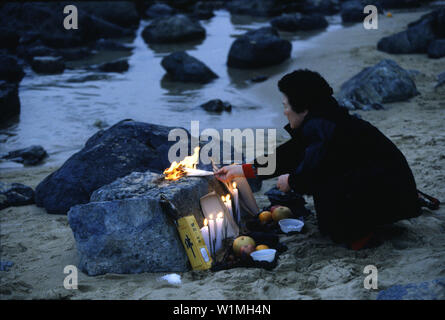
[176, 28]
[48, 65]
[382, 83]
[299, 22]
[180, 66]
[259, 48]
[114, 66]
[124, 230]
[9, 101]
[159, 10]
[30, 156]
[126, 236]
[10, 70]
[125, 147]
[216, 105]
[436, 49]
[15, 194]
[427, 290]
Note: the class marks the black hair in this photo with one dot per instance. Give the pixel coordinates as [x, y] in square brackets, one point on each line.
[305, 89]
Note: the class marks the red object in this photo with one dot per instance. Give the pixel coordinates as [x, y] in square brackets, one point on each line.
[248, 171]
[359, 244]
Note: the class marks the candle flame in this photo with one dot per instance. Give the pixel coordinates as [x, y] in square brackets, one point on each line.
[234, 185]
[211, 216]
[219, 216]
[223, 199]
[206, 222]
[228, 197]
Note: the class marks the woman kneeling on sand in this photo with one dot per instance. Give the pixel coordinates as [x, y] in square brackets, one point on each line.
[358, 178]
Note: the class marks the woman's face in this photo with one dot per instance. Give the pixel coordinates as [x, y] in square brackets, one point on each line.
[295, 119]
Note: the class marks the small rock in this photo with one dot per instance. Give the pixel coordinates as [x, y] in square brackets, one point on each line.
[30, 156]
[216, 105]
[258, 48]
[177, 28]
[48, 65]
[115, 66]
[182, 67]
[15, 194]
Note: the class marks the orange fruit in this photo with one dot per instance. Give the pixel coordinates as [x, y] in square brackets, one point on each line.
[265, 216]
[261, 247]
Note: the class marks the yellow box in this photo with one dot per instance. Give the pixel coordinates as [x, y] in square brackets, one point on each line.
[194, 244]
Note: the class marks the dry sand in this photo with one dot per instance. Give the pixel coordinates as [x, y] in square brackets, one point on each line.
[41, 245]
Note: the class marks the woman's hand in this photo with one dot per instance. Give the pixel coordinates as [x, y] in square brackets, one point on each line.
[228, 173]
[283, 183]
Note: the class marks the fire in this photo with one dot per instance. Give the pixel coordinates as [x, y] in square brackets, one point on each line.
[177, 170]
[234, 185]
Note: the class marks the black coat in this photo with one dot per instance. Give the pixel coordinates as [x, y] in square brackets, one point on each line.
[359, 179]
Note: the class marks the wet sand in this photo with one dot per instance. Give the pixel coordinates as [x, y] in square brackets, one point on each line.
[41, 245]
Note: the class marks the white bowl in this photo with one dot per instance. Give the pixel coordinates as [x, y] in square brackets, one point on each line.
[264, 255]
[290, 225]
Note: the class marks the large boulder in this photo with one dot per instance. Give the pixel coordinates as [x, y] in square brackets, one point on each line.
[436, 49]
[415, 39]
[48, 65]
[427, 290]
[9, 101]
[418, 36]
[15, 194]
[299, 22]
[124, 229]
[176, 28]
[30, 156]
[10, 70]
[180, 66]
[109, 154]
[382, 83]
[259, 48]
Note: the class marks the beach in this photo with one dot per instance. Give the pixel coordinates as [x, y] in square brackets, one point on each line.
[40, 245]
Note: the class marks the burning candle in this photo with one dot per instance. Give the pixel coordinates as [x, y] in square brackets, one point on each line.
[206, 235]
[219, 230]
[212, 234]
[236, 199]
